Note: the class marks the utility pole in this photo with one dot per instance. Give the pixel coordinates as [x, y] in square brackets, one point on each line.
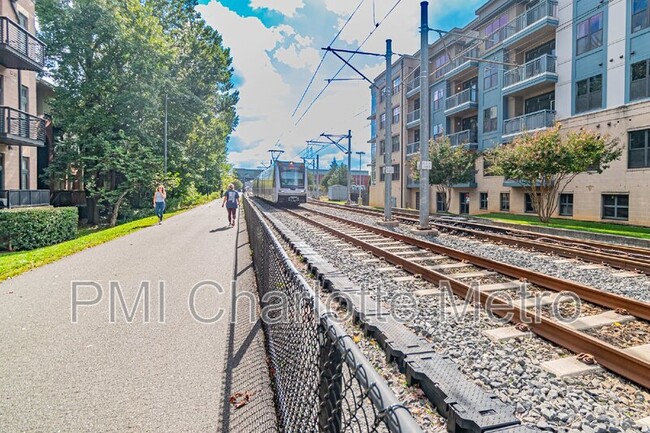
[388, 144]
[165, 139]
[425, 164]
[349, 166]
[360, 155]
[318, 176]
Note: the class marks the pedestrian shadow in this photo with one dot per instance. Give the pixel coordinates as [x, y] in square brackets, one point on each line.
[220, 229]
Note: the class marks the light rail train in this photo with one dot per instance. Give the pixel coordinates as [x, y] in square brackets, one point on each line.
[283, 183]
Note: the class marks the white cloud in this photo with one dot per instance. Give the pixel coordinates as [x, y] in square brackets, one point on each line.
[285, 7]
[303, 58]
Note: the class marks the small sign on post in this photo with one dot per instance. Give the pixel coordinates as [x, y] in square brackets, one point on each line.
[424, 165]
[389, 169]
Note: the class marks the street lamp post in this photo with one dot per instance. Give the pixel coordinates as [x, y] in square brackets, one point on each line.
[360, 155]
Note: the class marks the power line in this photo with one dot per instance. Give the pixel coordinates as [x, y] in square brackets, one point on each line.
[323, 58]
[348, 59]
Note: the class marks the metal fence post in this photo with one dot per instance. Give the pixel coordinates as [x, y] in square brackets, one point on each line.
[331, 385]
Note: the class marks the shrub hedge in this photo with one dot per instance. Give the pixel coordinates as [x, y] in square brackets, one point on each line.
[26, 229]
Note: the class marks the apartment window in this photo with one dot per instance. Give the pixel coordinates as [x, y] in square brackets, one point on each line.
[490, 76]
[438, 96]
[566, 204]
[396, 83]
[382, 121]
[416, 104]
[483, 200]
[440, 61]
[486, 167]
[640, 16]
[540, 102]
[504, 202]
[382, 94]
[616, 206]
[492, 31]
[416, 136]
[639, 149]
[382, 175]
[441, 202]
[589, 94]
[24, 172]
[490, 119]
[590, 34]
[528, 204]
[396, 143]
[382, 147]
[2, 90]
[537, 52]
[640, 80]
[438, 130]
[396, 115]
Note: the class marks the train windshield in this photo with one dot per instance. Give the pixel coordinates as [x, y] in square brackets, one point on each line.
[292, 175]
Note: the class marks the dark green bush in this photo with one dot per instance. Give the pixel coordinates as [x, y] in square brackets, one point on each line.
[27, 229]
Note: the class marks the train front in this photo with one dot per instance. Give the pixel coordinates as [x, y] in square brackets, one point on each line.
[293, 183]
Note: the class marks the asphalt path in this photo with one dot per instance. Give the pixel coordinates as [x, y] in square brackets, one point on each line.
[111, 374]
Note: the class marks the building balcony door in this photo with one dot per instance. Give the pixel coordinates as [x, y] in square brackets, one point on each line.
[464, 202]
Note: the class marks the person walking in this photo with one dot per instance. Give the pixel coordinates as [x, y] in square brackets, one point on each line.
[231, 201]
[159, 198]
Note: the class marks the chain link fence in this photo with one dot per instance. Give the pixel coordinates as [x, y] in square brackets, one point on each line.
[322, 382]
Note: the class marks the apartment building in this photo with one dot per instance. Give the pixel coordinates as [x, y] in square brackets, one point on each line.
[22, 132]
[518, 67]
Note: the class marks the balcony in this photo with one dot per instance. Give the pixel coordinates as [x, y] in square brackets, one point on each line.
[19, 49]
[532, 122]
[536, 73]
[413, 118]
[462, 101]
[413, 87]
[542, 17]
[412, 183]
[467, 138]
[463, 63]
[20, 128]
[413, 148]
[13, 198]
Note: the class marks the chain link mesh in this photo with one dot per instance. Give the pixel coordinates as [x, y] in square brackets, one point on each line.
[321, 380]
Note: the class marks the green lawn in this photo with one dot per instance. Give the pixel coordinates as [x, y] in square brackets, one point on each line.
[587, 226]
[15, 263]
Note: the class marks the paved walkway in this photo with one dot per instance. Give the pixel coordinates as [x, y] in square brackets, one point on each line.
[101, 376]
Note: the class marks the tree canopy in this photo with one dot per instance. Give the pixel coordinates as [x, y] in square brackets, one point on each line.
[113, 63]
[546, 162]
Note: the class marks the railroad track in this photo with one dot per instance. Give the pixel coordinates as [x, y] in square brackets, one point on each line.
[617, 256]
[419, 258]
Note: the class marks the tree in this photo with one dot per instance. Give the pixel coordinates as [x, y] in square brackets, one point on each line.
[450, 165]
[339, 176]
[546, 162]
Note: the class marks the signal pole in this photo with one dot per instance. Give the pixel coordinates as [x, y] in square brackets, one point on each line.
[388, 144]
[425, 164]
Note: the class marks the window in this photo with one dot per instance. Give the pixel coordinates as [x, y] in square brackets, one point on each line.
[589, 94]
[24, 173]
[639, 149]
[396, 115]
[504, 203]
[589, 34]
[541, 102]
[640, 80]
[438, 130]
[416, 136]
[2, 90]
[615, 206]
[537, 52]
[490, 76]
[416, 104]
[396, 83]
[396, 143]
[528, 204]
[566, 204]
[493, 31]
[639, 15]
[440, 61]
[486, 167]
[382, 147]
[483, 202]
[441, 202]
[438, 96]
[395, 176]
[382, 121]
[490, 119]
[382, 94]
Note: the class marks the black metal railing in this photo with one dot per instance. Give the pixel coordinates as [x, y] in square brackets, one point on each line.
[322, 382]
[11, 198]
[19, 124]
[21, 41]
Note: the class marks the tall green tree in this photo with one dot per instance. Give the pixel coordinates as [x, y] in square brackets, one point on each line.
[546, 162]
[450, 165]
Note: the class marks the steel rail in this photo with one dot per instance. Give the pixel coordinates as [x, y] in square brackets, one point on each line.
[632, 368]
[564, 250]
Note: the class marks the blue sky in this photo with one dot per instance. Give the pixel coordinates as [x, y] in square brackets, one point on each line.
[276, 47]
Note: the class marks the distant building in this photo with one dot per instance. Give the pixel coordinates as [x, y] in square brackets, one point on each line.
[246, 174]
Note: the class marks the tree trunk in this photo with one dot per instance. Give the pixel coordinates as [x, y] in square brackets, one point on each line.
[115, 209]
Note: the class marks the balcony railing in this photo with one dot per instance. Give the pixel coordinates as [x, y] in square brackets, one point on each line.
[413, 148]
[467, 95]
[463, 137]
[24, 198]
[18, 127]
[541, 65]
[542, 10]
[20, 43]
[413, 116]
[529, 122]
[464, 57]
[413, 84]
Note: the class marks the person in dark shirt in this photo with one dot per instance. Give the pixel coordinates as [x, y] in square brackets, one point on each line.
[231, 202]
